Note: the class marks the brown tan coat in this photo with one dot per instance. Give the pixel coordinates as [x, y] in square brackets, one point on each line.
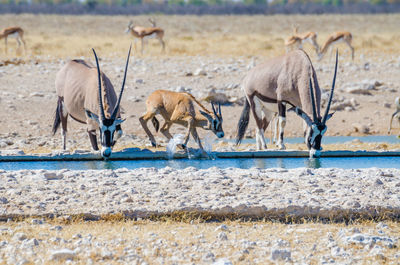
[17, 32]
[183, 109]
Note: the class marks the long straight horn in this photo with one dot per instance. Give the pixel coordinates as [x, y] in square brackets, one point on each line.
[331, 95]
[103, 116]
[314, 111]
[213, 108]
[114, 114]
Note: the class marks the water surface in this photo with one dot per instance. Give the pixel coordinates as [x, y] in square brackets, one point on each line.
[245, 163]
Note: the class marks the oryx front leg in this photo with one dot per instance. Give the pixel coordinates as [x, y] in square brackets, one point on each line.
[93, 139]
[143, 121]
[190, 127]
[197, 139]
[281, 124]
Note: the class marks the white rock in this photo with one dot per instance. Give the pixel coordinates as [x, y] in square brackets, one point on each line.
[280, 254]
[62, 254]
[222, 236]
[19, 236]
[209, 257]
[52, 175]
[222, 261]
[222, 227]
[199, 72]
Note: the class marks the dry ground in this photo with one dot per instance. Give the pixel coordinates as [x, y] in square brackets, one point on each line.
[197, 243]
[223, 46]
[226, 36]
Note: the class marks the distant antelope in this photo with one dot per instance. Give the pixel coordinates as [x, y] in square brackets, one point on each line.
[180, 108]
[16, 32]
[297, 40]
[396, 114]
[336, 37]
[87, 95]
[146, 32]
[289, 79]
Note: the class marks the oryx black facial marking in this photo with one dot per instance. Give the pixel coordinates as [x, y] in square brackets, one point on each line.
[215, 123]
[108, 126]
[317, 125]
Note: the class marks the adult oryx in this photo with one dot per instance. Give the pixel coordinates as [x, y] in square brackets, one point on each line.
[87, 95]
[289, 79]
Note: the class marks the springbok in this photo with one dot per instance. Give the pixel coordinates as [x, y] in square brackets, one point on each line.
[180, 108]
[297, 40]
[16, 32]
[285, 80]
[396, 114]
[336, 37]
[87, 95]
[141, 33]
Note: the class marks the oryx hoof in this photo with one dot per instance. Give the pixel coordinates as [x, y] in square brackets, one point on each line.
[282, 147]
[182, 146]
[154, 144]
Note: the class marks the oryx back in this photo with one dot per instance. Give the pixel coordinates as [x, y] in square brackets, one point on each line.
[77, 83]
[284, 79]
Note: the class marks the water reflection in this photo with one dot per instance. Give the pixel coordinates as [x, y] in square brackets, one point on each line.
[245, 163]
[313, 163]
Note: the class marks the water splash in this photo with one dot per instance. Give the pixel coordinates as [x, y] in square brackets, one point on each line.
[171, 146]
[208, 142]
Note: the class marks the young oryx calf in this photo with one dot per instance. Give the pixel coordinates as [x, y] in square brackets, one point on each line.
[180, 108]
[87, 95]
[269, 87]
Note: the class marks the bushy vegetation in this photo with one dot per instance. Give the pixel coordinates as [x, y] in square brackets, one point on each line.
[135, 7]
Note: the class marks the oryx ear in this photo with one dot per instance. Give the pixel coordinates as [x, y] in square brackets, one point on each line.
[92, 116]
[119, 121]
[302, 114]
[205, 114]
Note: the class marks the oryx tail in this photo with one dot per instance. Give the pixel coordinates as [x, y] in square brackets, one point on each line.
[57, 116]
[243, 122]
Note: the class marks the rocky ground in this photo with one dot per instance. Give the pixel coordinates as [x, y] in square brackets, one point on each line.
[363, 101]
[59, 199]
[38, 241]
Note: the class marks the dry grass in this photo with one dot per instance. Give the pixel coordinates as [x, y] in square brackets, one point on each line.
[73, 36]
[193, 239]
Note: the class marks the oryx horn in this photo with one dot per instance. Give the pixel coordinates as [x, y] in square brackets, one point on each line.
[314, 111]
[213, 108]
[103, 116]
[331, 95]
[115, 111]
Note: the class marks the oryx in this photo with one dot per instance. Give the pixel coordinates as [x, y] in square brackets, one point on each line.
[87, 95]
[180, 108]
[289, 79]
